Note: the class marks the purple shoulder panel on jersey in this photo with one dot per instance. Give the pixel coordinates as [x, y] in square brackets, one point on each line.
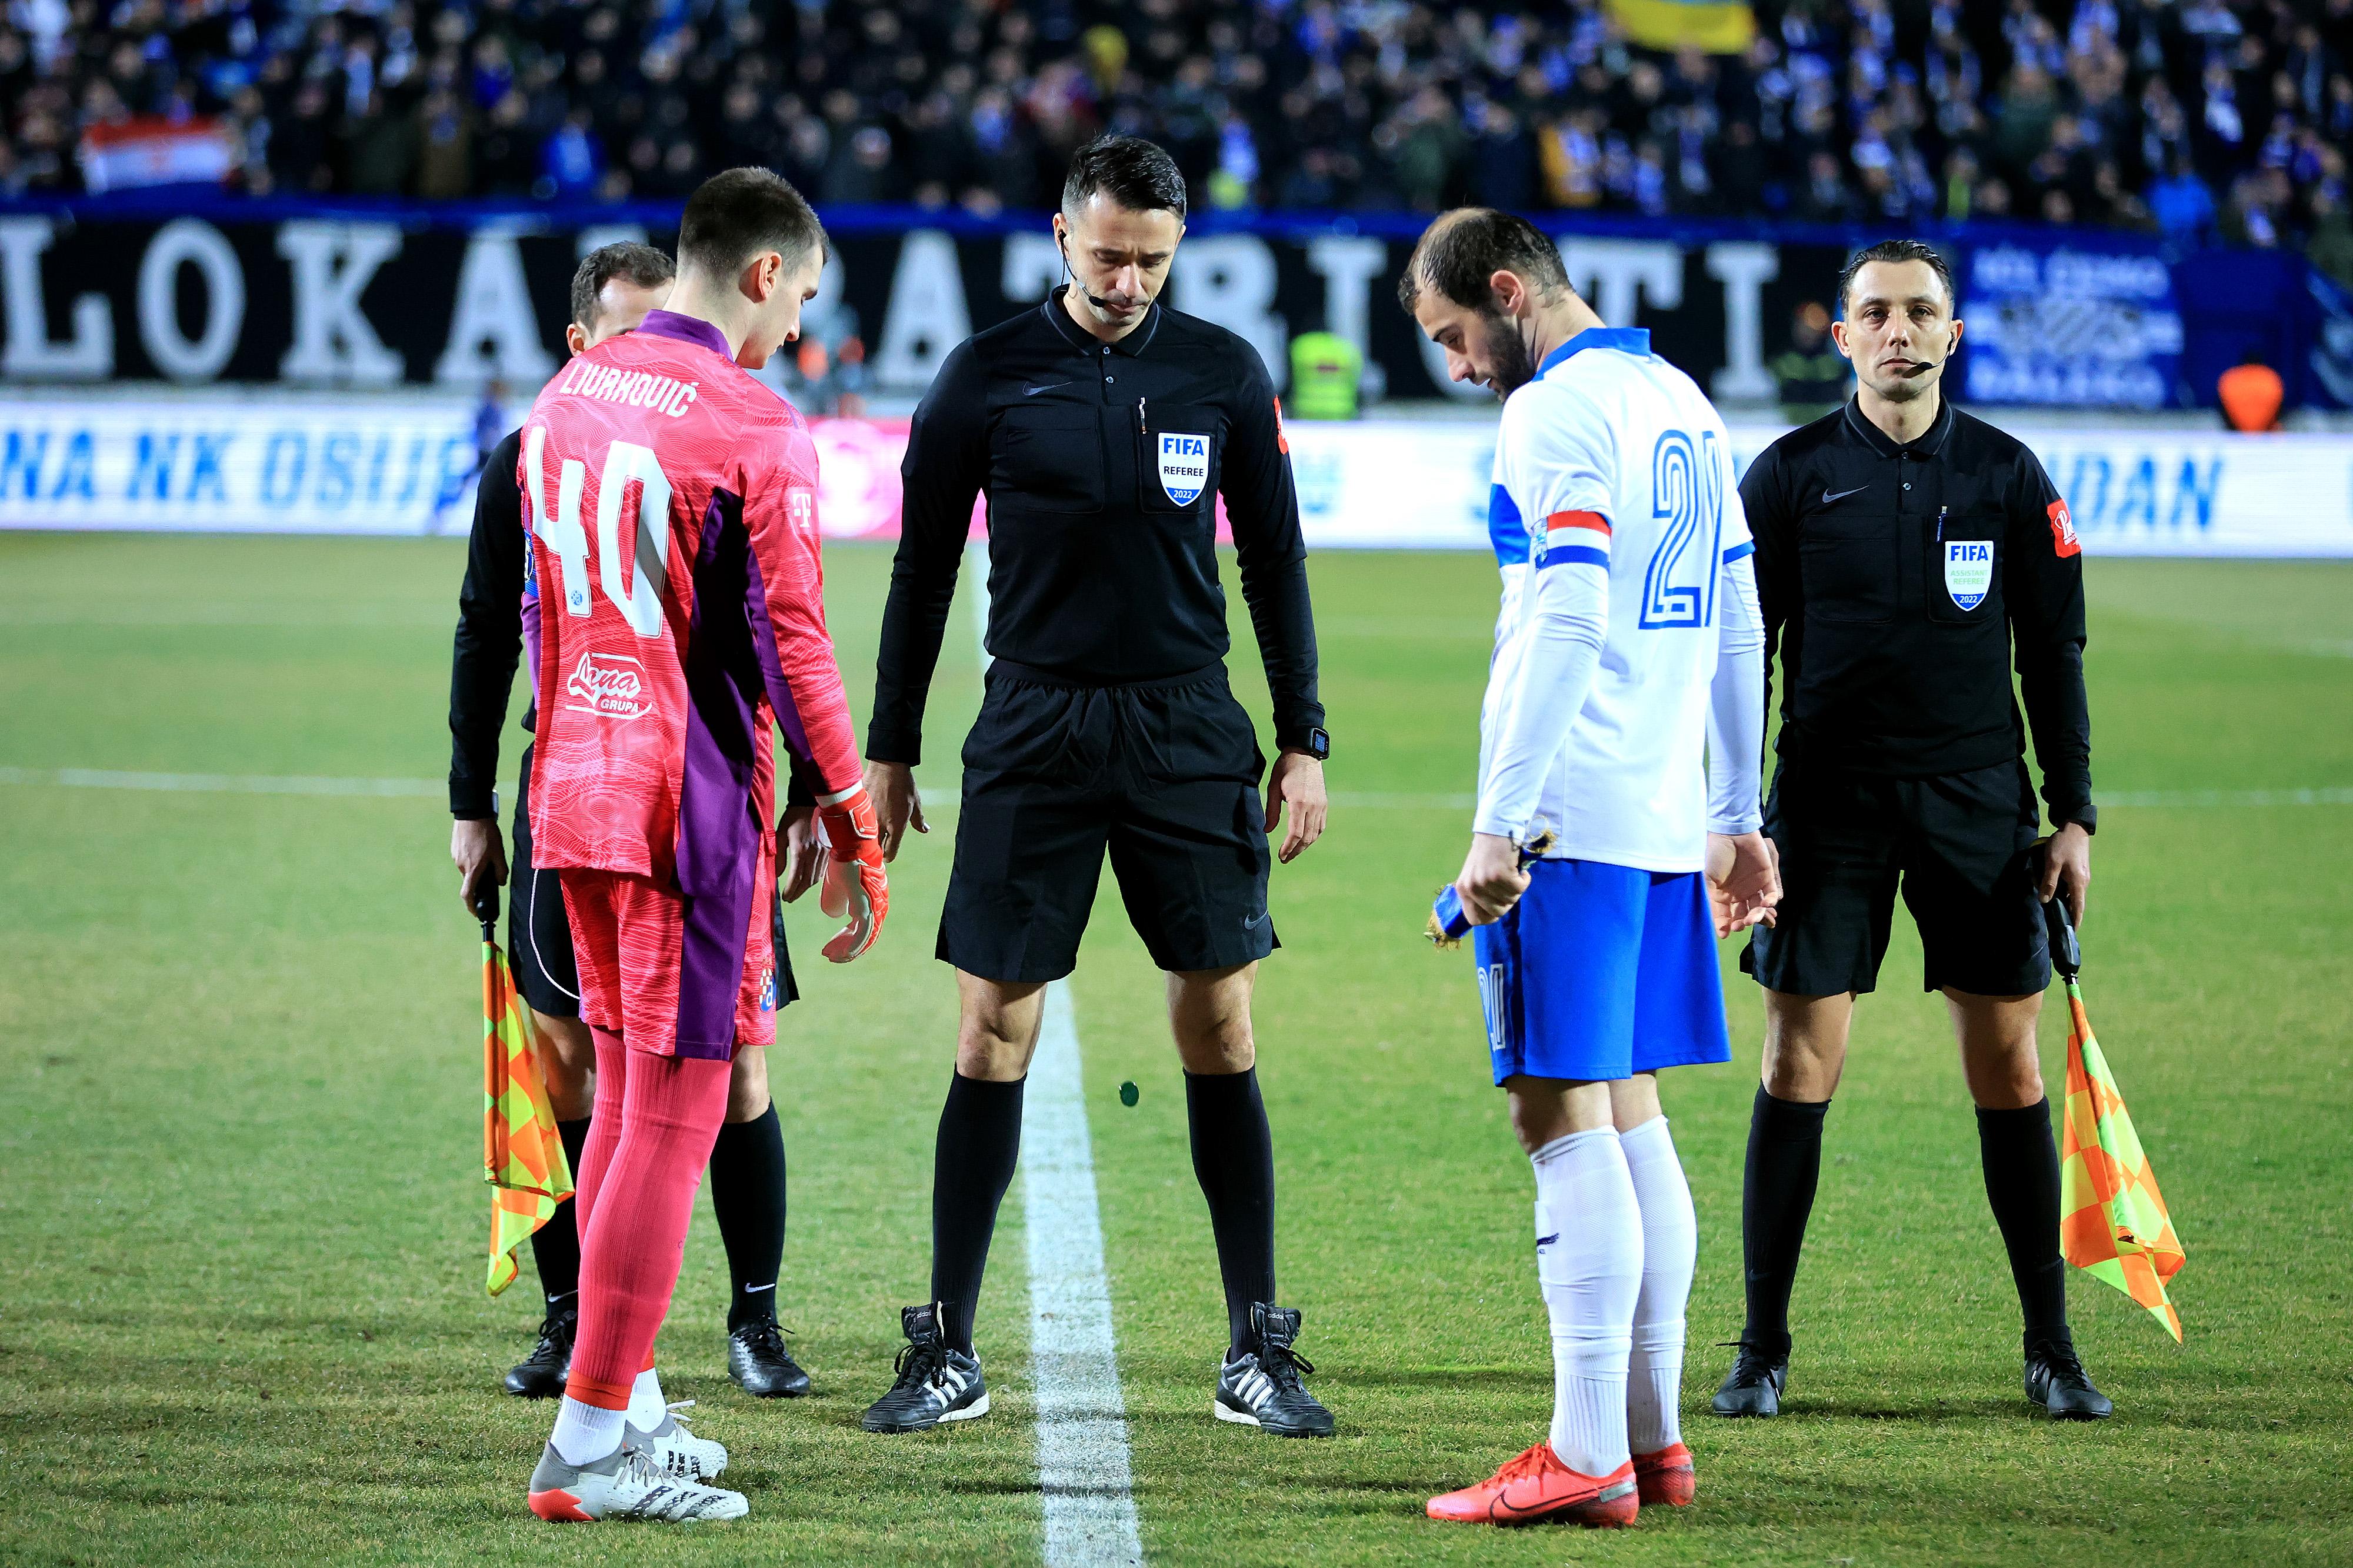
[530, 637]
[718, 850]
[764, 649]
[716, 836]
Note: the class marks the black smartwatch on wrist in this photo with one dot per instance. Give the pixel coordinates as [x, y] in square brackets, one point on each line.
[1317, 743]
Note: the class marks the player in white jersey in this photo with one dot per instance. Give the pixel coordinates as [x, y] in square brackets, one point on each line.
[1629, 641]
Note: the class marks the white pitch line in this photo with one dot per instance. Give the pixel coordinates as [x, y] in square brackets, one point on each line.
[1082, 1464]
[220, 783]
[1083, 1460]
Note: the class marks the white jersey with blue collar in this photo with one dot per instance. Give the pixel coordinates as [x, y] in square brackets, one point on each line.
[1628, 648]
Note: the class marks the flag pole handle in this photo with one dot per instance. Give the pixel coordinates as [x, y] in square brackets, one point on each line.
[2066, 953]
[486, 907]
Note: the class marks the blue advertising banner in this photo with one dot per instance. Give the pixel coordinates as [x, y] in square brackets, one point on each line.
[403, 463]
[2071, 323]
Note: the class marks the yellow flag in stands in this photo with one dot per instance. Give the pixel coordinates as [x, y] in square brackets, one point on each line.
[523, 1158]
[1709, 25]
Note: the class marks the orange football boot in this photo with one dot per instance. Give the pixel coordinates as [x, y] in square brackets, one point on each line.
[1664, 1479]
[1537, 1485]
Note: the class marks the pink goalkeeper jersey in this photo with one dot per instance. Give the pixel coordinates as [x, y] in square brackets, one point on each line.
[671, 501]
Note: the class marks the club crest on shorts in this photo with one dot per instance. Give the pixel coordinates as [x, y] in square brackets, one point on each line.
[1969, 570]
[768, 989]
[1184, 467]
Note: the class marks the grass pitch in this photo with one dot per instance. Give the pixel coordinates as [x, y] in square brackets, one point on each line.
[241, 1317]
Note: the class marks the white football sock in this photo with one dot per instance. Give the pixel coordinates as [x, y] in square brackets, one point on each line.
[586, 1432]
[1669, 1249]
[1590, 1263]
[646, 1406]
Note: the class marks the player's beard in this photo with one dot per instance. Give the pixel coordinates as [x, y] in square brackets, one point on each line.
[1512, 367]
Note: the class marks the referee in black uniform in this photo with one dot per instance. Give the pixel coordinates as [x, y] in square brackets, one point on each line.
[612, 289]
[1103, 428]
[1907, 554]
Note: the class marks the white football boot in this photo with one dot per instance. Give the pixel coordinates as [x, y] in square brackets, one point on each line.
[628, 1483]
[681, 1455]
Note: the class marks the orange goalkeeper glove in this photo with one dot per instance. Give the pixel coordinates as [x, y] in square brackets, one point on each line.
[854, 885]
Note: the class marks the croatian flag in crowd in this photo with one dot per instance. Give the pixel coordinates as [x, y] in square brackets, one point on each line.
[152, 151]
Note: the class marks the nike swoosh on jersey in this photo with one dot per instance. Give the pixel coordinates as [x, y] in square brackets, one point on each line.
[1034, 391]
[1828, 497]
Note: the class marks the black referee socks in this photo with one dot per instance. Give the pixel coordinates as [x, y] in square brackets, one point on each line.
[980, 1140]
[1233, 1157]
[747, 1194]
[1777, 1197]
[2021, 1178]
[555, 1245]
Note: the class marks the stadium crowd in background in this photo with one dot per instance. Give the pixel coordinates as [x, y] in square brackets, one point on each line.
[2200, 119]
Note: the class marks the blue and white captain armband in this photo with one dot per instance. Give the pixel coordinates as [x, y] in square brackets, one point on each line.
[1448, 924]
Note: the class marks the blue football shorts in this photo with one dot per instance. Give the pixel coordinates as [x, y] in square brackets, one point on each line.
[1601, 972]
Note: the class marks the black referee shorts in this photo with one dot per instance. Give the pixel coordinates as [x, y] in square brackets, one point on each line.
[539, 932]
[1165, 774]
[1962, 845]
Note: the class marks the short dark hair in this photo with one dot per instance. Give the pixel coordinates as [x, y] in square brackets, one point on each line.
[1897, 250]
[1461, 250]
[1137, 174]
[738, 213]
[640, 264]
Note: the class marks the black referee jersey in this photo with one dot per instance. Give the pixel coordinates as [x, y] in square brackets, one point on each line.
[1103, 463]
[490, 635]
[1899, 584]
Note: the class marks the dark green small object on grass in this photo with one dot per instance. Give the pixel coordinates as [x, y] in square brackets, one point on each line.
[1128, 1093]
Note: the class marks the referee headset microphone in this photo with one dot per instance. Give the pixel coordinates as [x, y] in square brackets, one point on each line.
[1144, 296]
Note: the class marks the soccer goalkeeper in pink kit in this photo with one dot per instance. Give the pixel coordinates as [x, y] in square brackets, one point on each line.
[671, 500]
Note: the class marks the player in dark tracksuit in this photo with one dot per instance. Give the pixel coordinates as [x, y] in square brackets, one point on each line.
[1104, 427]
[1907, 555]
[498, 611]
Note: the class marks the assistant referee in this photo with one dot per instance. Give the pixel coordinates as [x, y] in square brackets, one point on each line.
[1906, 555]
[1103, 428]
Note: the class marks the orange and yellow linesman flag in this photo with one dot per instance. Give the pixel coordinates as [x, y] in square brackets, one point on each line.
[523, 1158]
[2113, 1222]
[1716, 27]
